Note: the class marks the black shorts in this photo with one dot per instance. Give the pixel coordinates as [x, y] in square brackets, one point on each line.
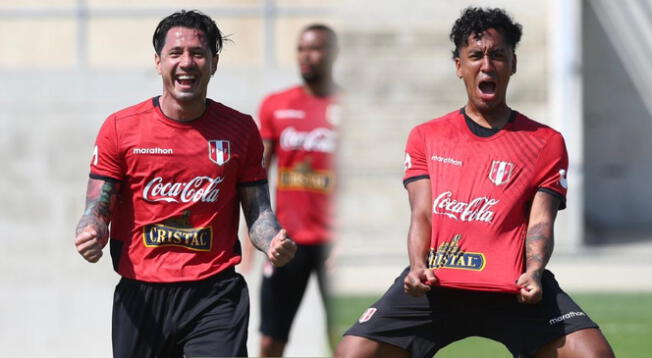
[283, 287]
[426, 324]
[207, 318]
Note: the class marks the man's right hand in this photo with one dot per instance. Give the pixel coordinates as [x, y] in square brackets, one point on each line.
[418, 281]
[89, 244]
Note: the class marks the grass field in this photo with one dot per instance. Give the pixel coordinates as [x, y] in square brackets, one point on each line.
[625, 319]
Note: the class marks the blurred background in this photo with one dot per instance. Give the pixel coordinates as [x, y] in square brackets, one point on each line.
[65, 65]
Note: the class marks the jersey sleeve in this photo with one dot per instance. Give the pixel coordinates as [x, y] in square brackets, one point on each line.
[253, 171]
[552, 168]
[265, 120]
[106, 162]
[415, 164]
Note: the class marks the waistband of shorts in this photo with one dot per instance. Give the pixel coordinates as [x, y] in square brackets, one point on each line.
[222, 275]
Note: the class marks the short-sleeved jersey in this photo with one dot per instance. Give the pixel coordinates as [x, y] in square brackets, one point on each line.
[302, 130]
[482, 190]
[176, 218]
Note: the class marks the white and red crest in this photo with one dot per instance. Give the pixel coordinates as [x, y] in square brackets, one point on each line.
[219, 151]
[501, 172]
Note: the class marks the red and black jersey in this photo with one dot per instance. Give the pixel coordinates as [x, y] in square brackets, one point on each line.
[177, 213]
[302, 129]
[482, 189]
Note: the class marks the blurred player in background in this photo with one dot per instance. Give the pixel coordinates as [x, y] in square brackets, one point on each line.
[299, 130]
[168, 175]
[484, 184]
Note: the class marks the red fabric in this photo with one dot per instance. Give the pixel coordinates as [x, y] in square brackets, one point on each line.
[178, 209]
[482, 189]
[302, 129]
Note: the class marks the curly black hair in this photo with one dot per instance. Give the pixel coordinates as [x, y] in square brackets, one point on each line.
[192, 19]
[475, 20]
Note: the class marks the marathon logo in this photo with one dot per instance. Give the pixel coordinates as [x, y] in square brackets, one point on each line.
[196, 239]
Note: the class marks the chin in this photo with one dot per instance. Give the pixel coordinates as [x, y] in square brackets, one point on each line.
[186, 96]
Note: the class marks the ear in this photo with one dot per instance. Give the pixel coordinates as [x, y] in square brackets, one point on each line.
[216, 59]
[157, 62]
[514, 64]
[458, 67]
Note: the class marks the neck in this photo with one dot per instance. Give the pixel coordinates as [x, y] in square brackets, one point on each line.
[182, 110]
[495, 118]
[323, 88]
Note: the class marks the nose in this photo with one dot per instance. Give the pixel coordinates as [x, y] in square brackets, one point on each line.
[486, 65]
[186, 60]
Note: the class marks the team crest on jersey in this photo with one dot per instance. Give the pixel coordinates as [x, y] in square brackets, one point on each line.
[367, 315]
[219, 151]
[501, 172]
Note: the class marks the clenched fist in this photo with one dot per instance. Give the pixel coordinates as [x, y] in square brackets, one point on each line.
[281, 249]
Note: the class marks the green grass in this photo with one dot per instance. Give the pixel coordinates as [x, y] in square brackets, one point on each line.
[625, 319]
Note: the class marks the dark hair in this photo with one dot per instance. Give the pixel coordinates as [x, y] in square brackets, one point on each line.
[475, 20]
[192, 19]
[332, 36]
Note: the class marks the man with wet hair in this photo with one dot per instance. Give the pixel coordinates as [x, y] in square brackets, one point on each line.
[484, 184]
[167, 177]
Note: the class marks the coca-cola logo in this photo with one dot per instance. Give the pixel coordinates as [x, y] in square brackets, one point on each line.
[201, 188]
[478, 209]
[317, 140]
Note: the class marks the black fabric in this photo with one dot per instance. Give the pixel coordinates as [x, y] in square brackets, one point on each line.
[103, 177]
[115, 247]
[282, 289]
[562, 199]
[411, 179]
[252, 183]
[426, 324]
[207, 318]
[481, 131]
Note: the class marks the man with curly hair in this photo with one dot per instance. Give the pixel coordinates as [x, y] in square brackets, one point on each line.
[484, 183]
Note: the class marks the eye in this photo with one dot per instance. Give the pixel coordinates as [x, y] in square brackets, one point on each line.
[475, 55]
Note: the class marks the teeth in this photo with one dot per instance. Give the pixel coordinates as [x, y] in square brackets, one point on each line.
[185, 77]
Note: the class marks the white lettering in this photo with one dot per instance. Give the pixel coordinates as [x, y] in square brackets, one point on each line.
[154, 150]
[446, 160]
[200, 188]
[317, 140]
[478, 209]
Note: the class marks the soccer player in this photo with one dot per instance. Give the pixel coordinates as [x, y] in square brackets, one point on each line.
[484, 184]
[168, 175]
[298, 127]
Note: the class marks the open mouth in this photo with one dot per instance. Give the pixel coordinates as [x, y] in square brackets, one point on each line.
[487, 87]
[186, 80]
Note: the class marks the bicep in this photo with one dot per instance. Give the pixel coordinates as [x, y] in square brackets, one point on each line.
[544, 209]
[101, 194]
[419, 195]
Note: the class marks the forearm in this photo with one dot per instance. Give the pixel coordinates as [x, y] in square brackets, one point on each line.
[262, 222]
[263, 229]
[539, 244]
[418, 242]
[100, 199]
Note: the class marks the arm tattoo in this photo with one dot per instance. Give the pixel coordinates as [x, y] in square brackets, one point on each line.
[100, 199]
[262, 222]
[539, 244]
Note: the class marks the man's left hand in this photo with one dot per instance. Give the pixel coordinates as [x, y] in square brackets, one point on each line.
[281, 249]
[531, 291]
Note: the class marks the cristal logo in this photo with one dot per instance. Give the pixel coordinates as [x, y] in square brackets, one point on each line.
[201, 188]
[478, 209]
[317, 140]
